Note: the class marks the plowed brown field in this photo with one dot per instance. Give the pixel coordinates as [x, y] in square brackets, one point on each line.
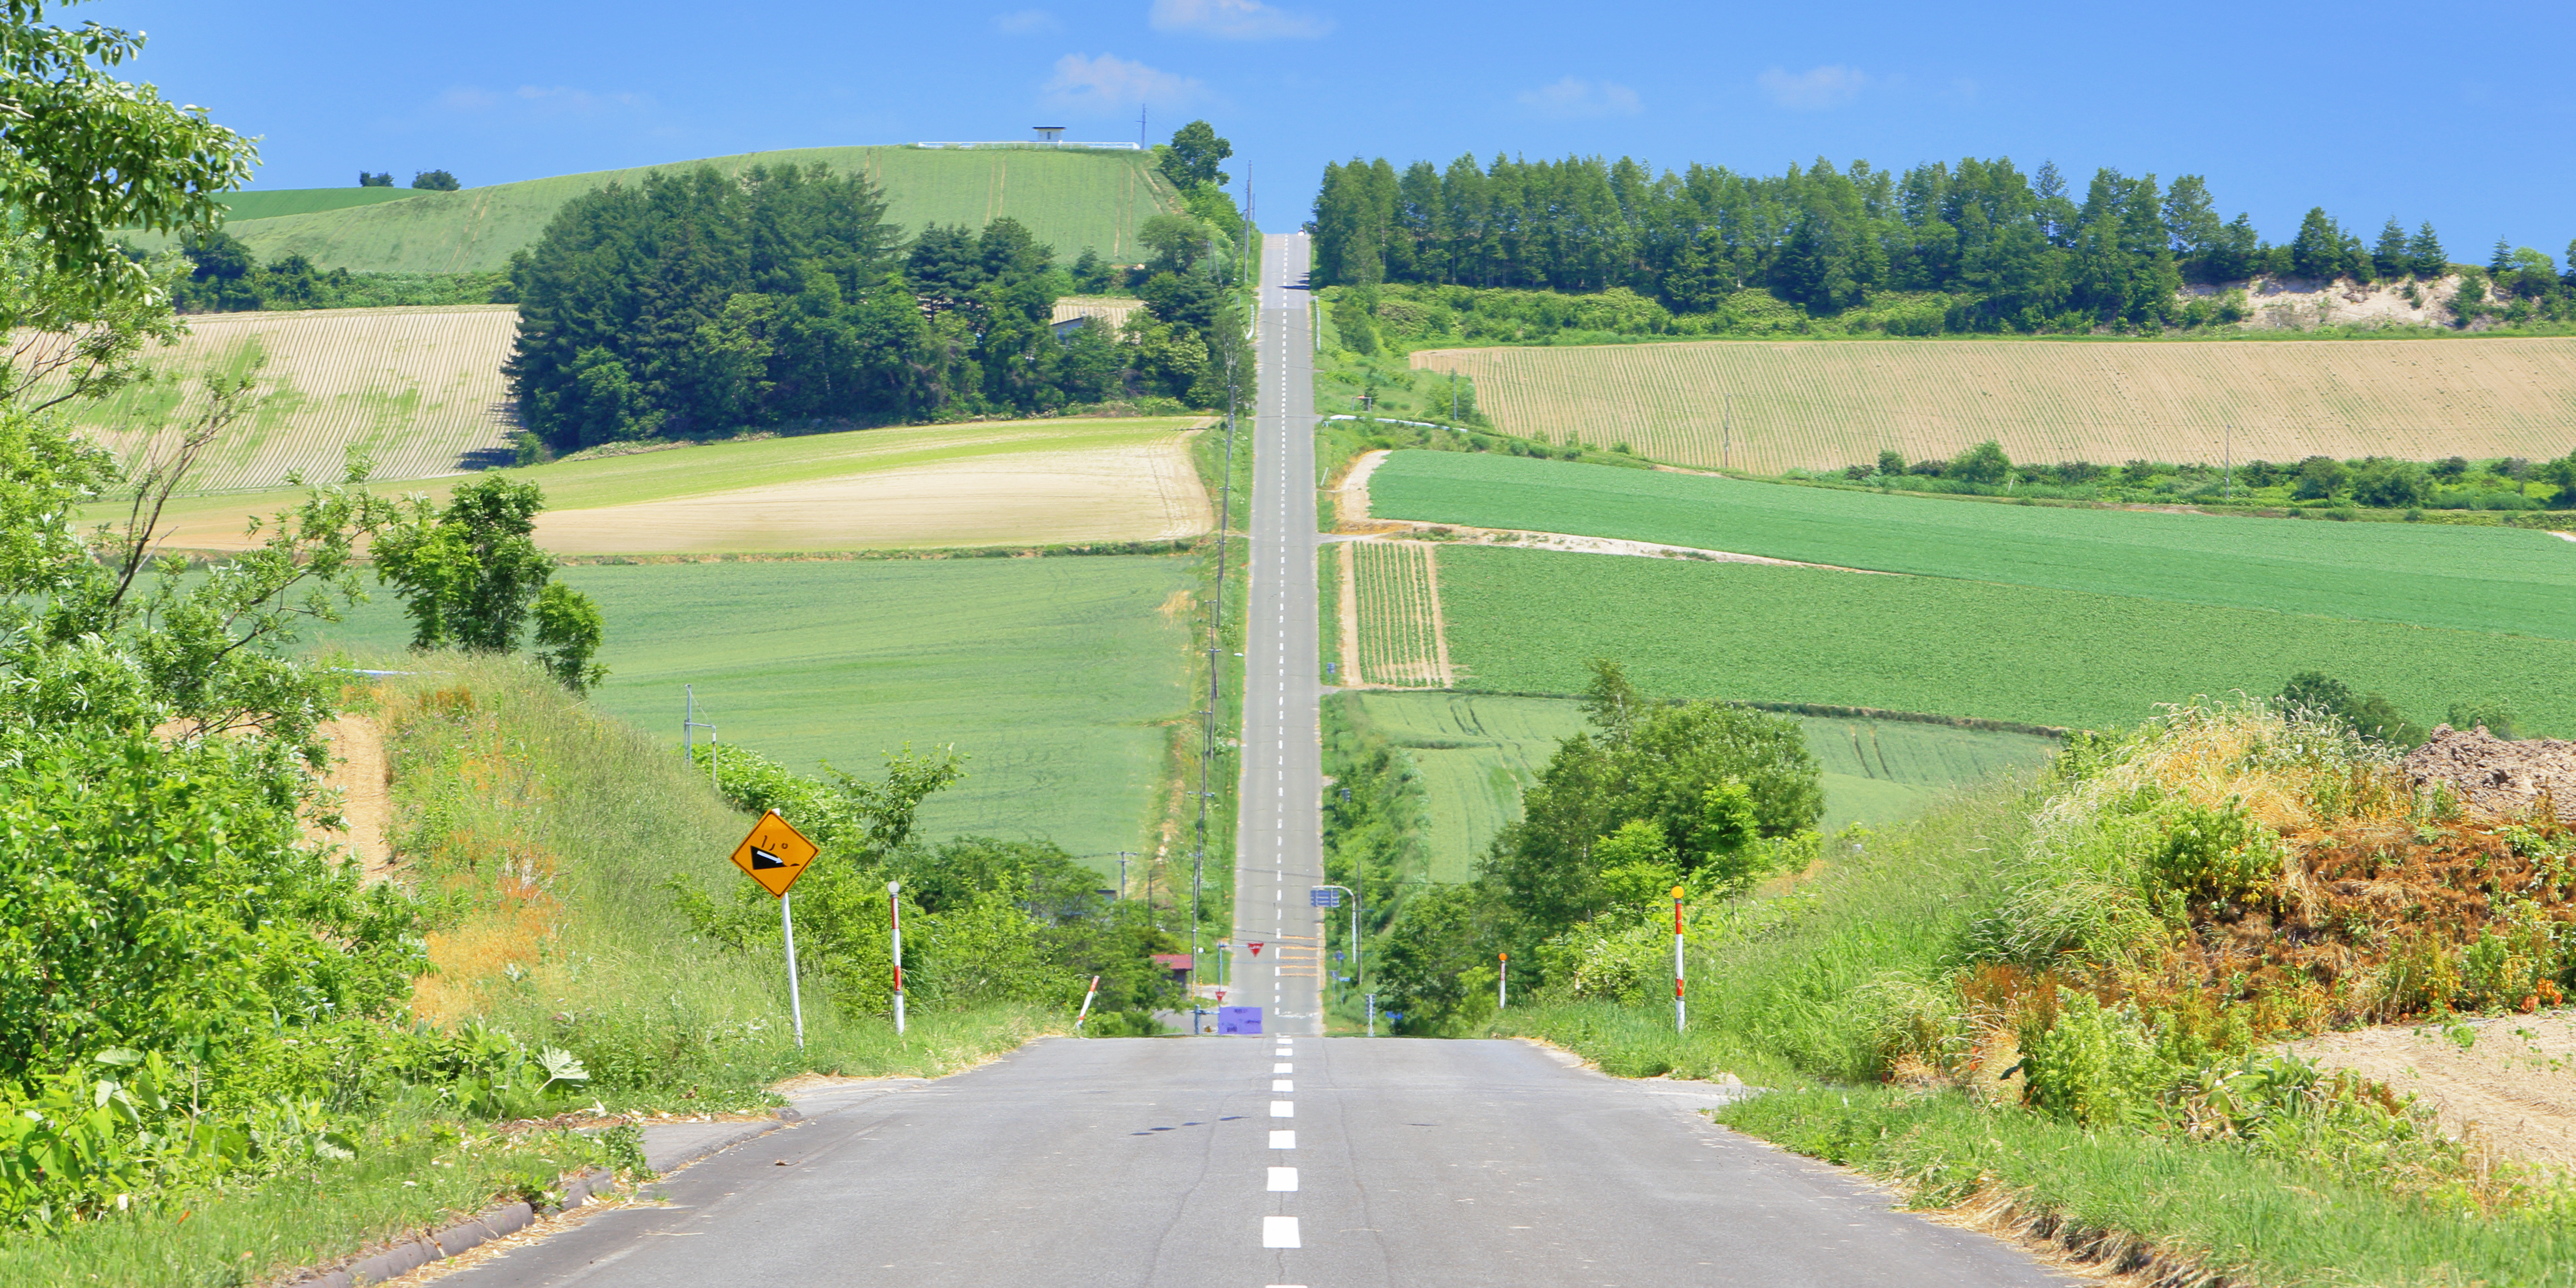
[1829, 404]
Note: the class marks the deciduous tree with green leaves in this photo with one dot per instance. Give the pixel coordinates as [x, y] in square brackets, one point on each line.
[470, 575]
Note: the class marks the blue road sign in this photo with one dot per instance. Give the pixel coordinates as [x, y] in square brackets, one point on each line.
[1325, 897]
[1238, 1019]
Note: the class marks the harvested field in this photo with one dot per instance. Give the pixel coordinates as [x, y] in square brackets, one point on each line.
[419, 389]
[1143, 491]
[1111, 310]
[1834, 403]
[811, 491]
[1401, 642]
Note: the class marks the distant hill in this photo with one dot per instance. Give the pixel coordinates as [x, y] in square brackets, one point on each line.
[241, 207]
[1072, 200]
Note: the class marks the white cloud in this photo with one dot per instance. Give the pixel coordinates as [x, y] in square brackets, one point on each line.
[1110, 83]
[540, 101]
[1577, 97]
[1026, 22]
[1237, 20]
[1814, 89]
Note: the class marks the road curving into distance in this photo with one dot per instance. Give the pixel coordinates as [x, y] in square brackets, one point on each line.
[1284, 1159]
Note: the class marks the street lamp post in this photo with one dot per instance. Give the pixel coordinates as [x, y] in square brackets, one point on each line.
[1330, 896]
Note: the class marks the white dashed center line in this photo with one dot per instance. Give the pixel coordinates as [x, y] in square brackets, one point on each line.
[1281, 1086]
[1283, 1180]
[1283, 1140]
[1279, 1232]
[1283, 1108]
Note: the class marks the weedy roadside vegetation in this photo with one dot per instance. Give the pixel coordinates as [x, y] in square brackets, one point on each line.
[2057, 1006]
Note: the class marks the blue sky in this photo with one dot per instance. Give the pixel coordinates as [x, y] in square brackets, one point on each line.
[2369, 109]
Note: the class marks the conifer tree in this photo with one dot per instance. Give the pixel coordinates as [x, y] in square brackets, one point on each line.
[2425, 257]
[2390, 254]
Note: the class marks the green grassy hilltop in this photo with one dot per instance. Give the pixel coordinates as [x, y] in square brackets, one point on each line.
[1073, 200]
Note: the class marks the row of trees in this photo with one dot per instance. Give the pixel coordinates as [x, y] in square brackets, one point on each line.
[2377, 481]
[425, 180]
[2028, 252]
[225, 276]
[699, 303]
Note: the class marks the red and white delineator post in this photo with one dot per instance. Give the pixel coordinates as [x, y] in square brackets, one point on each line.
[1678, 1017]
[1095, 992]
[894, 914]
[1502, 981]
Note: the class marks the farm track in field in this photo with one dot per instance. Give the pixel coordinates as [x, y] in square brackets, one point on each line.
[1820, 404]
[418, 389]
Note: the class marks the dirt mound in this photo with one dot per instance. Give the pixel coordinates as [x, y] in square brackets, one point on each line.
[2494, 776]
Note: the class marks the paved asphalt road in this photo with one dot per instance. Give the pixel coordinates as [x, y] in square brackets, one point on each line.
[1289, 1159]
[1278, 843]
[1250, 1162]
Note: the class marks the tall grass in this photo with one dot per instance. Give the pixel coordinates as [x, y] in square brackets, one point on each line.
[553, 836]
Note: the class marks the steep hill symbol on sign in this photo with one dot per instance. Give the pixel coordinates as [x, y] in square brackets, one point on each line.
[775, 854]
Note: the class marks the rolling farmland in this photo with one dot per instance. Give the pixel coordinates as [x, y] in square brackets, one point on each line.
[1072, 200]
[1828, 404]
[1949, 647]
[1476, 753]
[2485, 579]
[419, 389]
[240, 207]
[985, 483]
[1056, 676]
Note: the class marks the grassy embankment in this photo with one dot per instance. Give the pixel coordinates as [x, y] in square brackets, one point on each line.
[1473, 755]
[1891, 994]
[1072, 200]
[535, 834]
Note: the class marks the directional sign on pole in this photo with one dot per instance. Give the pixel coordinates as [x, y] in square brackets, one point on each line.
[775, 854]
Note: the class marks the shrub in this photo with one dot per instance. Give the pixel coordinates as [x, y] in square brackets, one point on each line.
[2217, 855]
[2093, 1064]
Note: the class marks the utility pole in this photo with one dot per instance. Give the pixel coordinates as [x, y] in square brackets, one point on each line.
[689, 726]
[1216, 650]
[1326, 896]
[2228, 453]
[1123, 856]
[1726, 443]
[1140, 128]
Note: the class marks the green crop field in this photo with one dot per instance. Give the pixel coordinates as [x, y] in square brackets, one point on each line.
[2485, 579]
[1526, 621]
[241, 207]
[1476, 753]
[1055, 676]
[1770, 406]
[1072, 200]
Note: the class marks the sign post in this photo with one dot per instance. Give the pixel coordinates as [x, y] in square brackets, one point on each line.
[1502, 981]
[894, 914]
[1330, 896]
[1086, 1005]
[775, 854]
[1677, 960]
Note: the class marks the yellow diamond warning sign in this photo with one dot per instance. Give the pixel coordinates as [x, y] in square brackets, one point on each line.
[774, 854]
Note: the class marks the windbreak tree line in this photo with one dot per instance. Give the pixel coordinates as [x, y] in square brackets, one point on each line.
[698, 304]
[2014, 251]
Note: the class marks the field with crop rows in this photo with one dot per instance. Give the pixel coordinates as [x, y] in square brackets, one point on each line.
[242, 206]
[418, 388]
[2487, 579]
[1073, 201]
[1821, 404]
[980, 483]
[1476, 754]
[1055, 676]
[1398, 595]
[1526, 621]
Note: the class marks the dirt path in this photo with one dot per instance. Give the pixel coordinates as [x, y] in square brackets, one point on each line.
[2514, 1082]
[1571, 543]
[358, 771]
